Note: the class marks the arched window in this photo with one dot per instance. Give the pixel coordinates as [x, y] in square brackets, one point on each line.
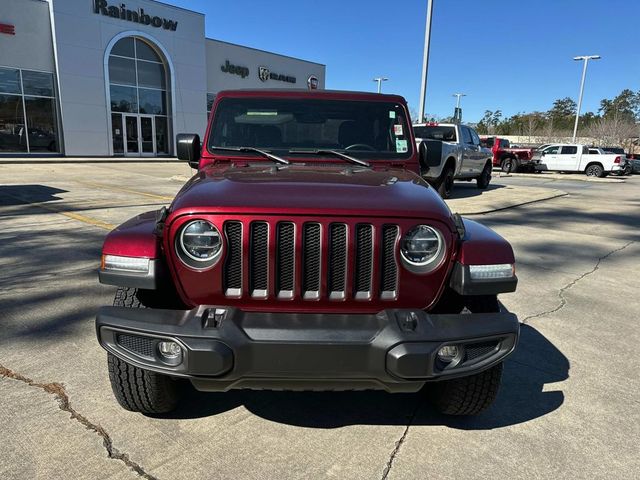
[138, 85]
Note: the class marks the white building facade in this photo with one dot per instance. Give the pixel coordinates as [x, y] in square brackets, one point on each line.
[105, 78]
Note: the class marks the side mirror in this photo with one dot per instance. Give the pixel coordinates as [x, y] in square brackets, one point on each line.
[188, 148]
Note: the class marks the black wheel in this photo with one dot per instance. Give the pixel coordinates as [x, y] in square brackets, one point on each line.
[467, 395]
[445, 184]
[595, 170]
[473, 394]
[485, 177]
[140, 390]
[508, 165]
[136, 389]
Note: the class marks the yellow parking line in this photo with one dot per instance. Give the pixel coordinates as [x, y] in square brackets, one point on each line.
[75, 216]
[125, 190]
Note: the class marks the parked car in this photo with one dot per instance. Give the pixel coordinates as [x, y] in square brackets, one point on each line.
[634, 163]
[306, 254]
[450, 151]
[576, 158]
[507, 157]
[626, 166]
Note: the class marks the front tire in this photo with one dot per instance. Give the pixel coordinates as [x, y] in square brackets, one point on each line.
[136, 389]
[467, 395]
[142, 391]
[475, 393]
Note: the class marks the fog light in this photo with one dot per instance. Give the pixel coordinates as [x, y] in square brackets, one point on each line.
[170, 350]
[448, 353]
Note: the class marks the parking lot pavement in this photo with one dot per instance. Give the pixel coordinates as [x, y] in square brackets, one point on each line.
[568, 407]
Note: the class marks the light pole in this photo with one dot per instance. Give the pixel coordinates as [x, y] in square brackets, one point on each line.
[425, 61]
[380, 80]
[586, 59]
[458, 95]
[457, 113]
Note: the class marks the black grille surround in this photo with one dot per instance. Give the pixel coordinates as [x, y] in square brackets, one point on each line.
[287, 259]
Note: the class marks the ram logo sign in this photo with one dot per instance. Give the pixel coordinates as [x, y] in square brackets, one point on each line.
[101, 7]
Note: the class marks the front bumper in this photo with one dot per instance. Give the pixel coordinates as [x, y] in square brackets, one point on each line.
[225, 348]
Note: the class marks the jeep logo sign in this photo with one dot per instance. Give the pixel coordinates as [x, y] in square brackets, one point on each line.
[101, 7]
[234, 69]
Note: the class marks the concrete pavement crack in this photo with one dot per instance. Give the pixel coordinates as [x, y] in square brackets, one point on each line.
[563, 299]
[399, 443]
[58, 391]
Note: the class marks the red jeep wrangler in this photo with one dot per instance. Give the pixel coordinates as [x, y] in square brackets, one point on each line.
[306, 254]
[509, 159]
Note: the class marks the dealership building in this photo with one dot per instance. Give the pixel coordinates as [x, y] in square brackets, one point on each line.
[120, 78]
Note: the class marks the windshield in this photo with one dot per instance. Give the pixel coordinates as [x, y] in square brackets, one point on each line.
[447, 134]
[360, 128]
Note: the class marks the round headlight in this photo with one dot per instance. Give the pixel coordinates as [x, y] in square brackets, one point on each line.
[421, 246]
[200, 241]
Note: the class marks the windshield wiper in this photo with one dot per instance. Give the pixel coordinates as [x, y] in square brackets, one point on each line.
[341, 155]
[264, 153]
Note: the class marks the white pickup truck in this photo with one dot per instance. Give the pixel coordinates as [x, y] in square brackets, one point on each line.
[450, 151]
[577, 158]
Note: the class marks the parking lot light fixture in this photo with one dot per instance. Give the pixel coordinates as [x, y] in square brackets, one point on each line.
[458, 96]
[585, 59]
[380, 80]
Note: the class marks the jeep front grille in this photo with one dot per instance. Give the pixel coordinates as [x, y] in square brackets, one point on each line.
[311, 260]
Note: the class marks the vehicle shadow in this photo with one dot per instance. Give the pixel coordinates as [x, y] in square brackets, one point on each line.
[535, 363]
[24, 194]
[470, 190]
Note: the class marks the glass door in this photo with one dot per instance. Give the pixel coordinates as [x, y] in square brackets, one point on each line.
[117, 133]
[147, 137]
[132, 136]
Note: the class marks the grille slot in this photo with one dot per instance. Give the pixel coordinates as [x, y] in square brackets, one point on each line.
[142, 346]
[233, 263]
[285, 258]
[259, 263]
[337, 261]
[364, 261]
[311, 257]
[477, 350]
[389, 276]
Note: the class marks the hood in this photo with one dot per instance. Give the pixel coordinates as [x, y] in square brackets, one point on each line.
[314, 190]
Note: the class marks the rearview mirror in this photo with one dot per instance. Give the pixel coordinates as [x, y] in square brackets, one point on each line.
[188, 148]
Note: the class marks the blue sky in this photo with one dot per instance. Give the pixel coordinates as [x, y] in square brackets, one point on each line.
[513, 55]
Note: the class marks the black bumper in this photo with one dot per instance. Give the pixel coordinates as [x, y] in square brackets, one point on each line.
[394, 350]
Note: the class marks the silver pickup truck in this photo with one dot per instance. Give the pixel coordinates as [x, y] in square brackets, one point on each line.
[451, 152]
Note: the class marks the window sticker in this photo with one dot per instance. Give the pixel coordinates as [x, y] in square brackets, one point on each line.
[401, 146]
[392, 114]
[397, 130]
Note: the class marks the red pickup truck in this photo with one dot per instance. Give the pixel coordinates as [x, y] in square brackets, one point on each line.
[507, 158]
[306, 253]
